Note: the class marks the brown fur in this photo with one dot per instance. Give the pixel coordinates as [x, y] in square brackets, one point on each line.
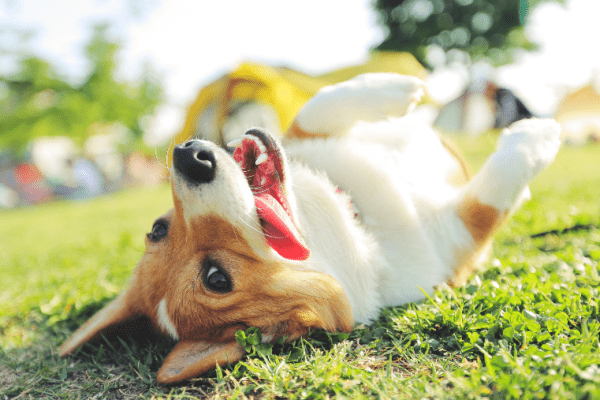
[190, 359]
[282, 300]
[481, 220]
[469, 262]
[295, 132]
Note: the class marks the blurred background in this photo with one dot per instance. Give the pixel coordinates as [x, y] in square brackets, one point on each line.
[93, 92]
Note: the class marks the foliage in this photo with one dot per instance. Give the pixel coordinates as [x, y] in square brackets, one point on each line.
[482, 28]
[37, 102]
[527, 326]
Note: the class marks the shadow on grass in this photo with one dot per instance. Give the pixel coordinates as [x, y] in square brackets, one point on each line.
[120, 363]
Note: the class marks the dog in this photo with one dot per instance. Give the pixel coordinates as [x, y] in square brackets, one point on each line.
[359, 207]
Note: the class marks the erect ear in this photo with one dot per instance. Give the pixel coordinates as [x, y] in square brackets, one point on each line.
[117, 311]
[190, 359]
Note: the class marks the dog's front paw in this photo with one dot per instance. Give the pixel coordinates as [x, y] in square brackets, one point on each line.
[534, 141]
[388, 94]
[368, 97]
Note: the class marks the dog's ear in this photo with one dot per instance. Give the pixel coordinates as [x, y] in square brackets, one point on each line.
[117, 311]
[314, 300]
[308, 317]
[190, 359]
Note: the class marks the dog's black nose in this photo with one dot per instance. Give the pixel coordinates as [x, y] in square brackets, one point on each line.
[196, 160]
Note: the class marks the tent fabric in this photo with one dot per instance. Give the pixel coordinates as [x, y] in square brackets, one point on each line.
[284, 89]
[509, 108]
[471, 113]
[585, 100]
[579, 115]
[476, 112]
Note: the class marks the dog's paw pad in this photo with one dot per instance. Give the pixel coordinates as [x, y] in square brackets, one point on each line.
[536, 139]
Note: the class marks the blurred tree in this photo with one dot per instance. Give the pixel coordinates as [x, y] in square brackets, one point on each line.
[482, 28]
[35, 101]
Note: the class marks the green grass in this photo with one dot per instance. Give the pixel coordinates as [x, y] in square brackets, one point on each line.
[527, 326]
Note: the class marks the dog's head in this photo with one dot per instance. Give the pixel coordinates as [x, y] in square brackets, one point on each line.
[228, 256]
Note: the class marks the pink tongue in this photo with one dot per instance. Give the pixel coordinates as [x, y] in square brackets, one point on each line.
[280, 232]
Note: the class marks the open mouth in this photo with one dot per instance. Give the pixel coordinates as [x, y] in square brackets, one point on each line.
[260, 160]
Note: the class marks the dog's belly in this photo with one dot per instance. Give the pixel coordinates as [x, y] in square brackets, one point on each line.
[399, 186]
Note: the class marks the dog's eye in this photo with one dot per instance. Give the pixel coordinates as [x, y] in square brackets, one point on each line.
[159, 231]
[216, 279]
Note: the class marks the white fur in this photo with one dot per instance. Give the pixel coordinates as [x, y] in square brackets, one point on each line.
[524, 150]
[227, 196]
[394, 94]
[395, 171]
[164, 321]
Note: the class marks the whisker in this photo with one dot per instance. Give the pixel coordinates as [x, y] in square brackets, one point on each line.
[158, 160]
[261, 231]
[248, 225]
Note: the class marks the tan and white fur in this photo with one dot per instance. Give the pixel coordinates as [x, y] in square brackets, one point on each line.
[407, 218]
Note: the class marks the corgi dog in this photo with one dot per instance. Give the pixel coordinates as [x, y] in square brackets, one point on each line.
[359, 207]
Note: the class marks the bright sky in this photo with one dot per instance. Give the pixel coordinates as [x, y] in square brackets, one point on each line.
[191, 42]
[569, 55]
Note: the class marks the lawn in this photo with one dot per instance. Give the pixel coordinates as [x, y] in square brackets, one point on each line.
[526, 326]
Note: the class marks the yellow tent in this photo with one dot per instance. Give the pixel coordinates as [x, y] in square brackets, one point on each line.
[579, 115]
[284, 89]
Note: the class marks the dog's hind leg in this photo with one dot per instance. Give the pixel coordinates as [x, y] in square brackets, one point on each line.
[524, 150]
[335, 109]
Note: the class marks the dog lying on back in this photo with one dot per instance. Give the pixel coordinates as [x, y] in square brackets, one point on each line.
[364, 208]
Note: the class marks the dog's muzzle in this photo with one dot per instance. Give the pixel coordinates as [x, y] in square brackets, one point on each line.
[195, 160]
